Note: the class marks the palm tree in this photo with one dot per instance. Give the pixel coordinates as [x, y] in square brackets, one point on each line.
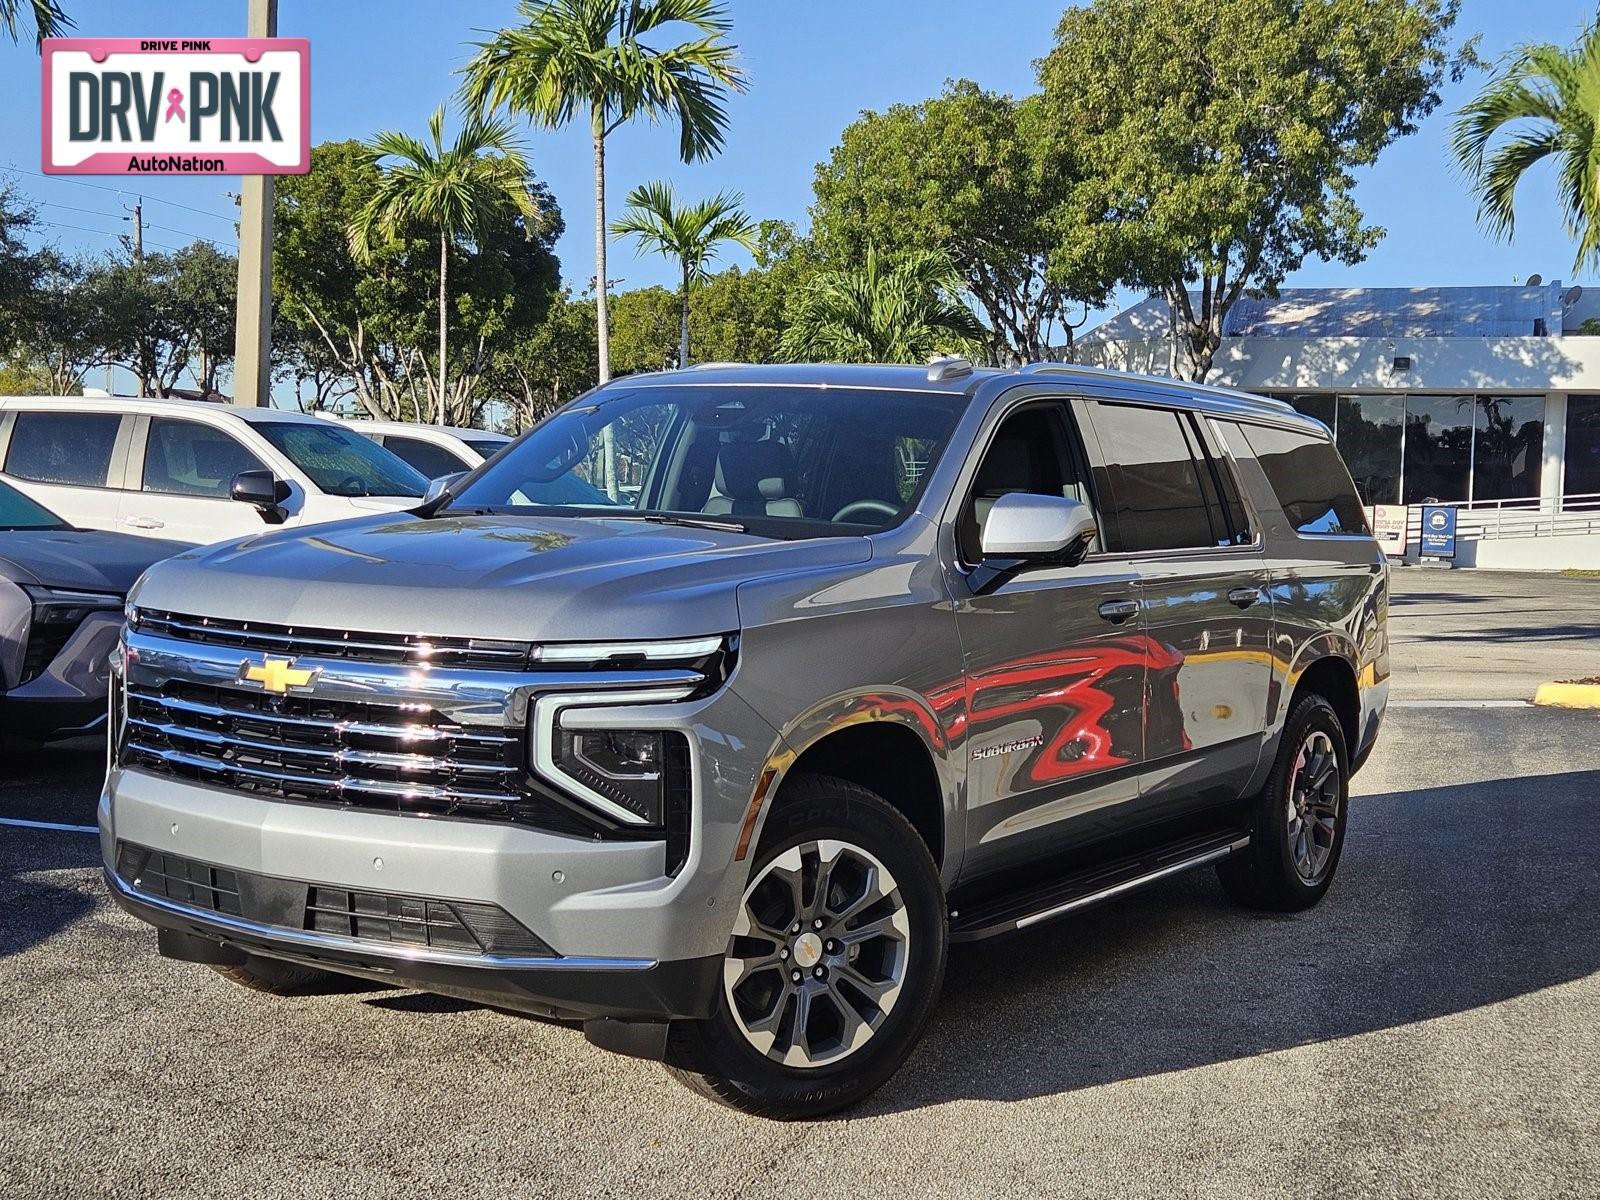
[690, 234]
[49, 19]
[481, 177]
[1551, 96]
[878, 312]
[585, 57]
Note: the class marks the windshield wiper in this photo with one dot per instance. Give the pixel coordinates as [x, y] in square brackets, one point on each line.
[671, 519]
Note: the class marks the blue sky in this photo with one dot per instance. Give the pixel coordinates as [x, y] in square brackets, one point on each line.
[812, 68]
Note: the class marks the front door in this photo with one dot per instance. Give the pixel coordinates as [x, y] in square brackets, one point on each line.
[1175, 511]
[183, 491]
[1054, 663]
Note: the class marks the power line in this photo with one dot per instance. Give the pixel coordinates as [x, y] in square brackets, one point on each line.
[100, 187]
[95, 212]
[105, 233]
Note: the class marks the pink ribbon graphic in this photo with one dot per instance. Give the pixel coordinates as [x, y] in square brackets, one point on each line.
[174, 106]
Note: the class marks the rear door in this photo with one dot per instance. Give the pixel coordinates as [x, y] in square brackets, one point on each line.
[1174, 511]
[72, 462]
[180, 479]
[1054, 661]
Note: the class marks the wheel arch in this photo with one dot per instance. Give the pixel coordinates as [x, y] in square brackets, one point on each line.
[888, 741]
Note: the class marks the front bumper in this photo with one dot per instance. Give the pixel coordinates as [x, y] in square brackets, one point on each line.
[557, 987]
[68, 697]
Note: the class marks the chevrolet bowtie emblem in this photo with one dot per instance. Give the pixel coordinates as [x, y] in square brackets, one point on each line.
[276, 675]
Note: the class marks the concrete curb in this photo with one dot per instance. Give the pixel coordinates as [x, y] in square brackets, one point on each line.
[1568, 695]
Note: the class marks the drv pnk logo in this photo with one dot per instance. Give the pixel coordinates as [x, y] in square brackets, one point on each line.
[191, 107]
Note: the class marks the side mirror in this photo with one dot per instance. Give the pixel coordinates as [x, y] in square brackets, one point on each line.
[439, 488]
[263, 490]
[1022, 530]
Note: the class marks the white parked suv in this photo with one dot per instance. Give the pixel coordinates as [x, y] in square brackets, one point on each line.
[194, 472]
[435, 450]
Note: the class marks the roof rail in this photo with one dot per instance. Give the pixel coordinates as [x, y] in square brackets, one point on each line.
[1234, 394]
[711, 366]
[948, 366]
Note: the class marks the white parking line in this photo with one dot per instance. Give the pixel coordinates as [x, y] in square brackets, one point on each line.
[18, 821]
[1460, 704]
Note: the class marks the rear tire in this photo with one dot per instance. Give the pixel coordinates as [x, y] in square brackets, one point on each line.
[1297, 821]
[834, 965]
[276, 978]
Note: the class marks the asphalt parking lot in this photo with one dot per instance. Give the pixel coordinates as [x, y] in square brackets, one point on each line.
[1432, 1029]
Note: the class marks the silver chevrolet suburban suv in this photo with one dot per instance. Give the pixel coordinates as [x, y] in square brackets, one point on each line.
[712, 711]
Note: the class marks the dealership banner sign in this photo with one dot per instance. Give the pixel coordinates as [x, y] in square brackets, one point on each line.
[165, 106]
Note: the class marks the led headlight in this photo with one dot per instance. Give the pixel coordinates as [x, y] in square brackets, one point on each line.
[66, 607]
[623, 766]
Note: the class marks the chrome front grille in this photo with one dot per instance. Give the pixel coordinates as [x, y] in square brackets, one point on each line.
[478, 653]
[406, 757]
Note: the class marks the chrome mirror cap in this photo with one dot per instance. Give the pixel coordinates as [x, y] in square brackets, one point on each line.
[1027, 526]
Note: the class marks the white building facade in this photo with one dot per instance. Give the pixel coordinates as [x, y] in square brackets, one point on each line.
[1486, 398]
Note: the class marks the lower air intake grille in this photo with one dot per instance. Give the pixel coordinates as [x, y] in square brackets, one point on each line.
[465, 926]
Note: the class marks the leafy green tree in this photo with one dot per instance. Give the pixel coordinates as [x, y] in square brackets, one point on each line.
[357, 328]
[690, 233]
[19, 266]
[556, 361]
[587, 58]
[903, 311]
[1543, 105]
[166, 315]
[1218, 140]
[968, 172]
[49, 19]
[456, 192]
[644, 330]
[740, 315]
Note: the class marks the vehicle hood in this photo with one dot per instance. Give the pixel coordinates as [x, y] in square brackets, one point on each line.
[90, 560]
[525, 578]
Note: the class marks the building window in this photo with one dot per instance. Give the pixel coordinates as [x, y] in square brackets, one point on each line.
[1508, 458]
[1583, 446]
[1438, 449]
[1368, 435]
[1456, 448]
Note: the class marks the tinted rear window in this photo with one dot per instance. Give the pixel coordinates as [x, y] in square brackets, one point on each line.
[433, 461]
[63, 447]
[1309, 479]
[1156, 494]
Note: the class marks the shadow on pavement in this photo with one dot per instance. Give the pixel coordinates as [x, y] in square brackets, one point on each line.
[55, 783]
[1472, 894]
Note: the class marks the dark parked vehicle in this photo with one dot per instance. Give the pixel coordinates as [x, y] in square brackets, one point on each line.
[810, 672]
[61, 596]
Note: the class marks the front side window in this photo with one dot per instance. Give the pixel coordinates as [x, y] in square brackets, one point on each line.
[778, 461]
[339, 462]
[1029, 454]
[63, 447]
[1310, 481]
[186, 458]
[433, 461]
[1158, 486]
[488, 447]
[19, 512]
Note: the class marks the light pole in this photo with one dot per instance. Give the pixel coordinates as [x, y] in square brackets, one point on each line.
[252, 339]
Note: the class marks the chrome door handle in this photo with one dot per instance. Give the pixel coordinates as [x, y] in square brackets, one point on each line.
[1244, 597]
[144, 522]
[1118, 611]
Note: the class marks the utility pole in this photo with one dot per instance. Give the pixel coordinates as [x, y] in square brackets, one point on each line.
[252, 345]
[138, 231]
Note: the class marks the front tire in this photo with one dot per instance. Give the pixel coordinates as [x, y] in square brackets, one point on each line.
[1297, 821]
[834, 965]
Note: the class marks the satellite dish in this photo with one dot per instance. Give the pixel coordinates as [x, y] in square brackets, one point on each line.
[1571, 295]
[1535, 280]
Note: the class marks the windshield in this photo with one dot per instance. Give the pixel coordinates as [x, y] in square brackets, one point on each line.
[19, 512]
[778, 461]
[340, 462]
